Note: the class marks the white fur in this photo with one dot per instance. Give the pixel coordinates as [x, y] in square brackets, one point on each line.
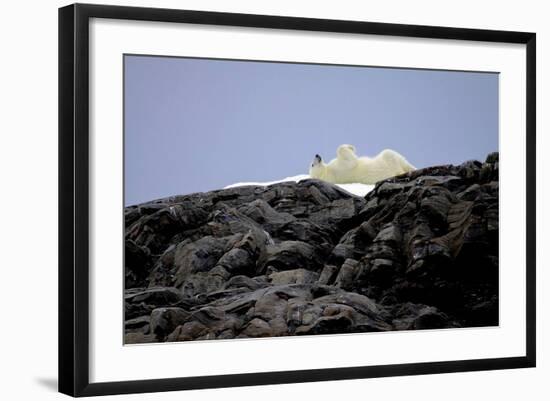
[348, 168]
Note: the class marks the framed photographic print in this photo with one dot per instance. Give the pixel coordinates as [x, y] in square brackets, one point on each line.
[250, 199]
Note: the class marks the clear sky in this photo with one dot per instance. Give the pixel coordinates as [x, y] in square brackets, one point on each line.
[197, 125]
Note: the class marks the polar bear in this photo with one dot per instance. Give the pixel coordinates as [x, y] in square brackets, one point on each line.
[347, 168]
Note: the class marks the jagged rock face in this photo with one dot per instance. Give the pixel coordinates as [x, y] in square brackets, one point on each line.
[418, 252]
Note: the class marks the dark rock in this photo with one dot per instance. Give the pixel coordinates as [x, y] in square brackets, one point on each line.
[267, 217]
[290, 255]
[199, 256]
[492, 158]
[242, 282]
[418, 317]
[358, 302]
[155, 231]
[138, 325]
[131, 214]
[187, 331]
[346, 275]
[139, 338]
[420, 251]
[297, 276]
[389, 233]
[328, 275]
[137, 263]
[204, 282]
[305, 231]
[354, 243]
[381, 271]
[238, 261]
[164, 320]
[339, 323]
[216, 319]
[257, 328]
[154, 295]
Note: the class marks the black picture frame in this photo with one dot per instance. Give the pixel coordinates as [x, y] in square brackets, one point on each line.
[74, 202]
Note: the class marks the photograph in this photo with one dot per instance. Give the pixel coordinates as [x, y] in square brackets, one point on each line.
[269, 198]
[275, 200]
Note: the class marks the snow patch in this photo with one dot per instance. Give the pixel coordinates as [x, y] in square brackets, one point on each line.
[355, 188]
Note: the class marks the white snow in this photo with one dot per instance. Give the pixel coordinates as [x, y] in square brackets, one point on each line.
[356, 188]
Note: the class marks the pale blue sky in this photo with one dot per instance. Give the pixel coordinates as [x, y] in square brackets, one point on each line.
[197, 125]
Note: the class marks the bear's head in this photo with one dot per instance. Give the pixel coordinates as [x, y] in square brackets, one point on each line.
[317, 168]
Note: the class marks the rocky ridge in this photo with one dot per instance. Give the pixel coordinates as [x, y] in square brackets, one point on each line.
[420, 251]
